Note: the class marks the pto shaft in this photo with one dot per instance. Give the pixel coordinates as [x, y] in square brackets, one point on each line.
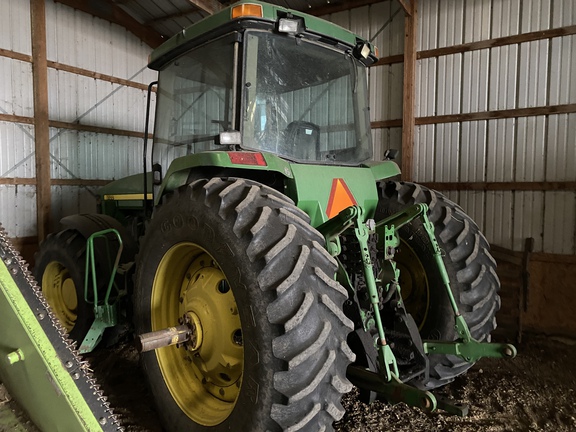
[163, 338]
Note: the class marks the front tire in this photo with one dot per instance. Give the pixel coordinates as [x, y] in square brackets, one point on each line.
[60, 270]
[244, 262]
[470, 267]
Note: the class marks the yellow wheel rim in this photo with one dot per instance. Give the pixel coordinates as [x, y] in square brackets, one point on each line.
[205, 374]
[413, 283]
[60, 292]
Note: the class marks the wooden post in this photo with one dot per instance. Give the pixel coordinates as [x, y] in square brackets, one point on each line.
[409, 91]
[41, 126]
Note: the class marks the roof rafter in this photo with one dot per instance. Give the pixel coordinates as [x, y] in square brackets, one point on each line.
[210, 6]
[340, 6]
[408, 6]
[109, 11]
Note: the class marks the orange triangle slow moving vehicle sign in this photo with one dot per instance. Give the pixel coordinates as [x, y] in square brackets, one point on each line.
[340, 198]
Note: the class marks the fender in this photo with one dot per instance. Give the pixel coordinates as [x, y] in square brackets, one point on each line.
[88, 224]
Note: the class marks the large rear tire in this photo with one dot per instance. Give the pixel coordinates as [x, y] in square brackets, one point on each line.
[239, 260]
[471, 269]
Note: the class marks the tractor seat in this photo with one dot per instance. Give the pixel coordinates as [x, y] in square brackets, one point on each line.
[302, 140]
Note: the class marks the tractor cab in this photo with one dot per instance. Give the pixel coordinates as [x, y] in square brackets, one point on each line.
[266, 81]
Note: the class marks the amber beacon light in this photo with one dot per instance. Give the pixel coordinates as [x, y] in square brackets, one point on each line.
[246, 10]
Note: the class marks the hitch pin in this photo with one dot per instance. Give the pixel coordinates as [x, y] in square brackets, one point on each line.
[163, 338]
[15, 356]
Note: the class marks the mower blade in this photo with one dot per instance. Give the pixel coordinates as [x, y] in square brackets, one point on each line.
[38, 362]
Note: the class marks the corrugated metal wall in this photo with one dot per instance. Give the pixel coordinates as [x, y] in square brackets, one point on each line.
[538, 73]
[17, 203]
[382, 24]
[108, 49]
[527, 149]
[75, 39]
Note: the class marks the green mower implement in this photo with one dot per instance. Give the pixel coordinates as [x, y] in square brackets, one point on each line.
[38, 363]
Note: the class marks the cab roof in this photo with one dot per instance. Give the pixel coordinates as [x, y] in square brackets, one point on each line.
[247, 14]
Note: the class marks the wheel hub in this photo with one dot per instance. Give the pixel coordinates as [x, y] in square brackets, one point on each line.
[203, 369]
[60, 292]
[195, 337]
[414, 283]
[210, 308]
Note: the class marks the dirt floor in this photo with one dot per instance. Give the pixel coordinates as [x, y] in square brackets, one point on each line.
[534, 392]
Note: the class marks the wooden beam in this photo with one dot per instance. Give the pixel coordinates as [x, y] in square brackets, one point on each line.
[20, 241]
[383, 124]
[18, 181]
[41, 125]
[108, 11]
[15, 55]
[16, 119]
[96, 129]
[76, 70]
[96, 75]
[503, 186]
[408, 6]
[489, 43]
[210, 6]
[545, 257]
[477, 116]
[74, 126]
[553, 258]
[171, 16]
[409, 92]
[398, 58]
[23, 181]
[340, 6]
[80, 182]
[498, 42]
[498, 114]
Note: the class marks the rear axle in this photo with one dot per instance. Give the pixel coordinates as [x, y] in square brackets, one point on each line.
[163, 338]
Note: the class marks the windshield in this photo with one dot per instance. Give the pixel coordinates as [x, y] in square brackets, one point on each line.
[304, 101]
[195, 101]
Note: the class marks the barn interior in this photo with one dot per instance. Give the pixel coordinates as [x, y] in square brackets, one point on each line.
[478, 98]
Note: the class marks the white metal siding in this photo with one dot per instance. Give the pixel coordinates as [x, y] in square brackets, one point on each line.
[382, 24]
[105, 48]
[79, 40]
[539, 148]
[424, 152]
[16, 87]
[18, 210]
[16, 150]
[529, 149]
[100, 156]
[15, 26]
[17, 203]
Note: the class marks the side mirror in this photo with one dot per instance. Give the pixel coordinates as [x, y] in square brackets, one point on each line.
[156, 174]
[390, 154]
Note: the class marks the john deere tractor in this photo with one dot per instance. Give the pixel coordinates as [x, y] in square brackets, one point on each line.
[266, 262]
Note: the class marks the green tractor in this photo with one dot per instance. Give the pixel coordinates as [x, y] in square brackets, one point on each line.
[266, 263]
